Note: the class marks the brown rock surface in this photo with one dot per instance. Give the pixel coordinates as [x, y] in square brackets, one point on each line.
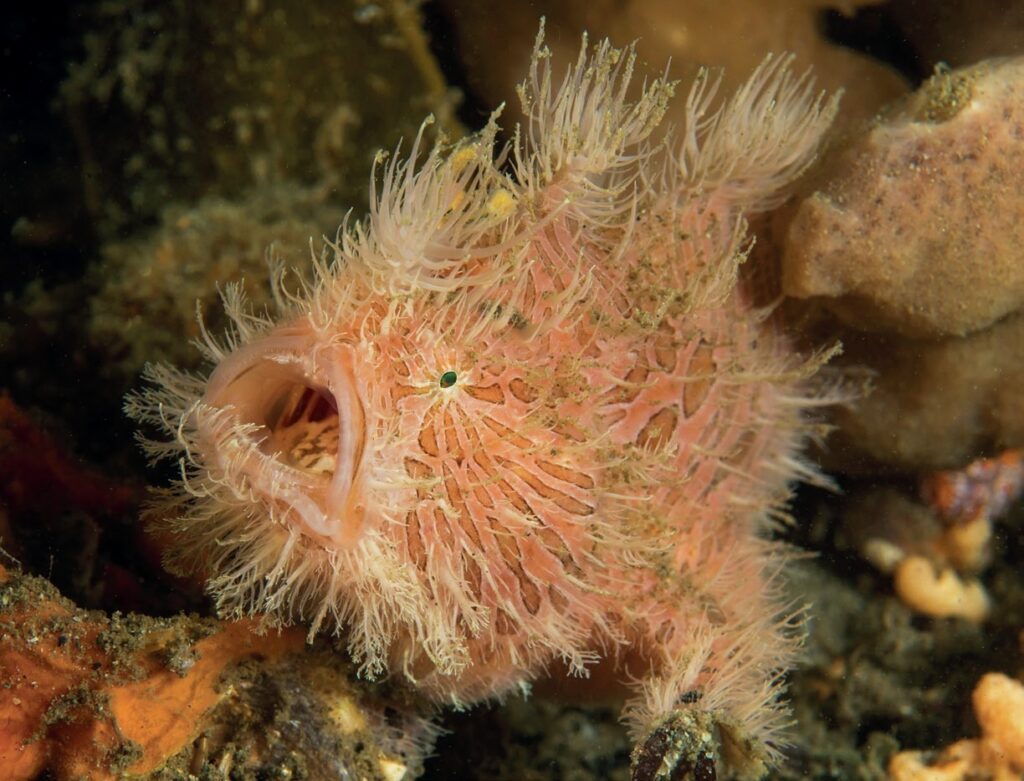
[936, 404]
[175, 101]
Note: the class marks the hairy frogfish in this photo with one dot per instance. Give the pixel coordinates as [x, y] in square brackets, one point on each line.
[528, 416]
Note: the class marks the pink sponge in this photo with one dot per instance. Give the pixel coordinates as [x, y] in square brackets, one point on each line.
[919, 227]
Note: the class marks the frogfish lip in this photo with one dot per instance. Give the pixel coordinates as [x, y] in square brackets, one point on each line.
[283, 423]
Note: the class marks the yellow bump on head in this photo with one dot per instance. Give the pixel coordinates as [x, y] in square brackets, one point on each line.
[463, 157]
[501, 204]
[456, 202]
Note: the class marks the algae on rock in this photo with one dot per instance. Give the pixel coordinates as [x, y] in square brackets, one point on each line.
[177, 100]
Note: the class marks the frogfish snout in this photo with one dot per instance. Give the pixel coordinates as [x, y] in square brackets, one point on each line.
[282, 420]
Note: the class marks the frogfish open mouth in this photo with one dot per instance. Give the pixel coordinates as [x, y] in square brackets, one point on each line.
[294, 432]
[528, 412]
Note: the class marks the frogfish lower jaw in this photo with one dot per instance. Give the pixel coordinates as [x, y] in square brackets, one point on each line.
[283, 422]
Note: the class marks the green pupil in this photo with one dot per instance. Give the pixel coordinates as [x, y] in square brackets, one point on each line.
[448, 379]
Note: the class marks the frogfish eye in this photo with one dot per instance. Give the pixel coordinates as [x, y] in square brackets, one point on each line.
[448, 379]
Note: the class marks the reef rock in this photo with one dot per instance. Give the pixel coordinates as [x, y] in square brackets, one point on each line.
[151, 286]
[936, 404]
[175, 101]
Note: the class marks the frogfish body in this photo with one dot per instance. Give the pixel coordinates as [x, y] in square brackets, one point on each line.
[526, 413]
